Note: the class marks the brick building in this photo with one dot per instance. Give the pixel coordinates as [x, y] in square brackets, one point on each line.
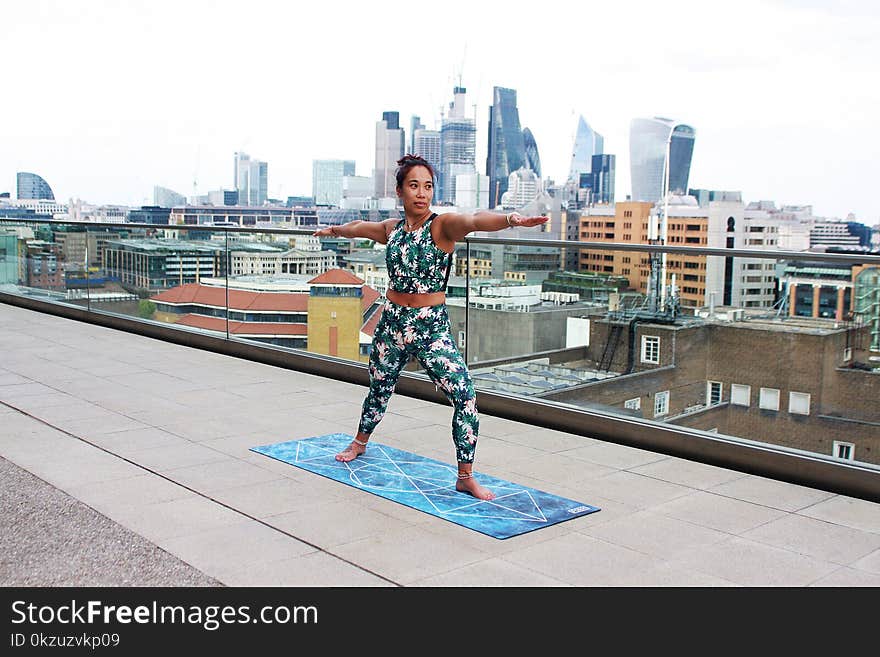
[801, 383]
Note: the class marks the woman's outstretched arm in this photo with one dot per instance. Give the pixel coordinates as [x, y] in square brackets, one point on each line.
[455, 225]
[371, 230]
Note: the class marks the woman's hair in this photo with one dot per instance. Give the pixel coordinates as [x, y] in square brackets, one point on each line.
[407, 162]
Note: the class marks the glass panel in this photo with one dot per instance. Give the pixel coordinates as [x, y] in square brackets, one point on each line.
[168, 275]
[44, 260]
[292, 290]
[607, 331]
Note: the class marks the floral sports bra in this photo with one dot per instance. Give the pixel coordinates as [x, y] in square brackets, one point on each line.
[416, 265]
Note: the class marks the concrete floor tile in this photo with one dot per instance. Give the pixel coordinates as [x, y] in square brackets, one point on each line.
[181, 454]
[869, 563]
[581, 560]
[718, 512]
[847, 511]
[174, 518]
[493, 573]
[816, 538]
[749, 563]
[772, 493]
[688, 473]
[612, 455]
[656, 535]
[849, 578]
[220, 475]
[312, 569]
[408, 554]
[244, 543]
[336, 522]
[637, 490]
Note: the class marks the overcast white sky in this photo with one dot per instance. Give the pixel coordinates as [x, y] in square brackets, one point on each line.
[105, 99]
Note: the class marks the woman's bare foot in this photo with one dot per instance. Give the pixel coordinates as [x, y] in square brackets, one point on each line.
[469, 485]
[351, 452]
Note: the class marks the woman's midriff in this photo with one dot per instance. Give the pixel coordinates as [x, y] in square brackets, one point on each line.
[416, 300]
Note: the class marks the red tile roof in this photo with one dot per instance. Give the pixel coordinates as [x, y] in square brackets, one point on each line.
[337, 277]
[369, 297]
[242, 300]
[370, 327]
[242, 328]
[209, 295]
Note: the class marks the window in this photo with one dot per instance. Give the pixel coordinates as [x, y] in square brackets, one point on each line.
[799, 402]
[661, 403]
[461, 339]
[844, 450]
[651, 349]
[713, 392]
[634, 404]
[740, 395]
[769, 399]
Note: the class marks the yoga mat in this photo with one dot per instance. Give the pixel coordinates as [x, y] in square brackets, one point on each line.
[429, 485]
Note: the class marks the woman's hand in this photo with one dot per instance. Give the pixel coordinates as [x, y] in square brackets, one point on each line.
[327, 231]
[516, 219]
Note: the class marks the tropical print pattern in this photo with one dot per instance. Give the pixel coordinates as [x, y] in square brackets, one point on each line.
[415, 264]
[424, 333]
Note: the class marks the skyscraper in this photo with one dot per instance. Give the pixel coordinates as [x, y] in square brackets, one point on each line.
[251, 180]
[458, 146]
[390, 141]
[602, 168]
[587, 143]
[167, 198]
[327, 178]
[427, 144]
[647, 148]
[507, 151]
[415, 123]
[533, 160]
[33, 187]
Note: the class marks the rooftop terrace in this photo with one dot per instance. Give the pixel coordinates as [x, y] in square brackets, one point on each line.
[151, 440]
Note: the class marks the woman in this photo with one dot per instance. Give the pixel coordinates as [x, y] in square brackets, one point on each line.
[414, 320]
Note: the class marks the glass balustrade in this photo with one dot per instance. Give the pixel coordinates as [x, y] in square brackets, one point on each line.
[744, 344]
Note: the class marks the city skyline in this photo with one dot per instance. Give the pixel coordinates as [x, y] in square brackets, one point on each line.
[778, 91]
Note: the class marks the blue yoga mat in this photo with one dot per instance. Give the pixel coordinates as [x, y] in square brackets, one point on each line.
[428, 485]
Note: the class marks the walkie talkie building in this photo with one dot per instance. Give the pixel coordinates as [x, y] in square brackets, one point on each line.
[647, 151]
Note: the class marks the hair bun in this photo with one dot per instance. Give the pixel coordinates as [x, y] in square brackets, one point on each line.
[409, 158]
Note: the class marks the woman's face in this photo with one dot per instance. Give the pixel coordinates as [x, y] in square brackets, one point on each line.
[417, 190]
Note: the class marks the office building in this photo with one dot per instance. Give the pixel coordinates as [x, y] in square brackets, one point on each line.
[533, 160]
[390, 141]
[427, 144]
[167, 198]
[415, 123]
[30, 186]
[327, 180]
[523, 187]
[506, 149]
[587, 143]
[251, 180]
[648, 140]
[458, 146]
[602, 179]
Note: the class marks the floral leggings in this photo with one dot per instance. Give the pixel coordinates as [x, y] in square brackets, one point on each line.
[424, 332]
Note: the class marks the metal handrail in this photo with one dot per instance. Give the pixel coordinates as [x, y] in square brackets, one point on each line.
[850, 258]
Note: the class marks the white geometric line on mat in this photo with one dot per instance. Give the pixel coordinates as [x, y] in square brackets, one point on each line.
[375, 463]
[396, 469]
[364, 463]
[410, 479]
[524, 515]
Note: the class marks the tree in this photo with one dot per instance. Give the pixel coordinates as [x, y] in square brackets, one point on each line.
[146, 308]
